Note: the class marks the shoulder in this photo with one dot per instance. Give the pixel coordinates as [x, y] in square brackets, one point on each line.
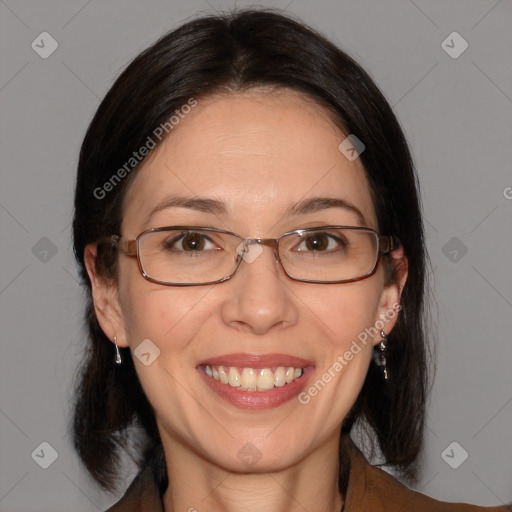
[373, 489]
[370, 489]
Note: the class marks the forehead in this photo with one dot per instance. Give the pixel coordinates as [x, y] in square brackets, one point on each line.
[258, 152]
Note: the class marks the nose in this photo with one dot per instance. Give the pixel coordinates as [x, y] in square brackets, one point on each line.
[259, 297]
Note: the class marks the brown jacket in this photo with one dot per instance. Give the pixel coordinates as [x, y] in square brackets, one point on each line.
[370, 489]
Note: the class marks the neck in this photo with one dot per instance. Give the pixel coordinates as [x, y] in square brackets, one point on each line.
[197, 485]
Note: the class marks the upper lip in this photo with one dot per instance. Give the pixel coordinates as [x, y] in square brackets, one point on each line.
[257, 360]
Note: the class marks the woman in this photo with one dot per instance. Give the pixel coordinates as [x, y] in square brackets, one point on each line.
[247, 223]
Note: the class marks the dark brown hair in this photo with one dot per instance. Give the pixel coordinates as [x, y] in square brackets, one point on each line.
[226, 54]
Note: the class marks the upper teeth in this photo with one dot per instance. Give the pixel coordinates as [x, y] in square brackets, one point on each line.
[252, 379]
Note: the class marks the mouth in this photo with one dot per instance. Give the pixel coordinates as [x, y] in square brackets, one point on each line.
[253, 379]
[256, 381]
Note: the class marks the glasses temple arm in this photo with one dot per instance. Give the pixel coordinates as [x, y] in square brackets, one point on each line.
[129, 247]
[388, 243]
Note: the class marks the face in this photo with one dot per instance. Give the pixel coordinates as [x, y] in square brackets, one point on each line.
[258, 154]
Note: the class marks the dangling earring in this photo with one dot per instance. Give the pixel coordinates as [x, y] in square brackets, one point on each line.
[379, 358]
[118, 359]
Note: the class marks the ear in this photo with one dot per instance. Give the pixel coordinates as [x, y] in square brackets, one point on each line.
[105, 299]
[389, 305]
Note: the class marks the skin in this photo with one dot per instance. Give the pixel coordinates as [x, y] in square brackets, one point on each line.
[259, 152]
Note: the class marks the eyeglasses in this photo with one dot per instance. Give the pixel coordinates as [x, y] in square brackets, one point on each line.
[190, 256]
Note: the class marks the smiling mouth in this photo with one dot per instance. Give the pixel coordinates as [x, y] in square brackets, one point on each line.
[253, 379]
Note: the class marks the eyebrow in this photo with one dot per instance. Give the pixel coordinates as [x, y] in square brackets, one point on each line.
[317, 204]
[216, 207]
[198, 204]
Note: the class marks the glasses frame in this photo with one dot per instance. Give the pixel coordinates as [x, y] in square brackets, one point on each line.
[385, 245]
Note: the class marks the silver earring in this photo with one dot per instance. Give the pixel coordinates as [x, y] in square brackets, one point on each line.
[379, 358]
[118, 359]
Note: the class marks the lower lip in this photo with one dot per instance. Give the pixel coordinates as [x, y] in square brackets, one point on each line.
[258, 399]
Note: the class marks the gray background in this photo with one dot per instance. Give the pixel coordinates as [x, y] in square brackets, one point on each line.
[457, 116]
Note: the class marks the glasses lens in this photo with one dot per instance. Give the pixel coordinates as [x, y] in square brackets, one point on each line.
[329, 255]
[187, 256]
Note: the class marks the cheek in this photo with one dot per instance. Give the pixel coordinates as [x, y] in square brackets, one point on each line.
[342, 312]
[347, 310]
[168, 316]
[171, 319]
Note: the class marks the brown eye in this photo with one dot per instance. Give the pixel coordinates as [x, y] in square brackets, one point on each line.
[189, 242]
[321, 242]
[317, 242]
[193, 243]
